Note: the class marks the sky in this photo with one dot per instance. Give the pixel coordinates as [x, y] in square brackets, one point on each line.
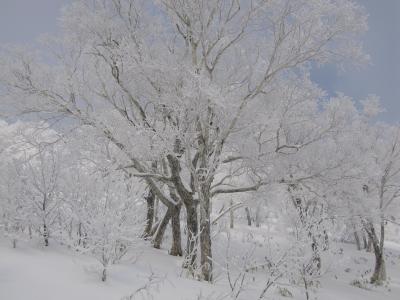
[23, 21]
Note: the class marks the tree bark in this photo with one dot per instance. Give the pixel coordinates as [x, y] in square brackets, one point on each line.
[356, 238]
[185, 197]
[205, 235]
[302, 210]
[45, 235]
[150, 199]
[365, 240]
[248, 216]
[369, 247]
[154, 228]
[192, 236]
[158, 236]
[45, 229]
[176, 248]
[104, 274]
[70, 229]
[379, 274]
[316, 257]
[231, 216]
[80, 233]
[156, 209]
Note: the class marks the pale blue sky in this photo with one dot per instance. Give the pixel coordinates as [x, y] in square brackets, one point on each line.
[22, 21]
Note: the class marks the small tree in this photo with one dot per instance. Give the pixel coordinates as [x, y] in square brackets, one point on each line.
[39, 176]
[381, 192]
[30, 184]
[110, 214]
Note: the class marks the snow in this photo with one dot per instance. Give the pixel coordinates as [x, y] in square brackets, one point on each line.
[135, 111]
[55, 273]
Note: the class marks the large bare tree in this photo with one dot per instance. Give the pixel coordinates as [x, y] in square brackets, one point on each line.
[173, 84]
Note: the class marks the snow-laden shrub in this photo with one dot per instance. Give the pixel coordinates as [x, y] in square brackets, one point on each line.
[106, 219]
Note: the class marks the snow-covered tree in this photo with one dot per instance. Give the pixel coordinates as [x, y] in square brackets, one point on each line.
[107, 209]
[29, 184]
[180, 88]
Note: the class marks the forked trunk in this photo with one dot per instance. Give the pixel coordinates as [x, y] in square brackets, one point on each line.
[379, 275]
[173, 214]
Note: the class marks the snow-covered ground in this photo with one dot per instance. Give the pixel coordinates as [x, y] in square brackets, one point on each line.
[56, 273]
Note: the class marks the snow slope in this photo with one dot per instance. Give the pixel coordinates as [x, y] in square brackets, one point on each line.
[55, 273]
[58, 274]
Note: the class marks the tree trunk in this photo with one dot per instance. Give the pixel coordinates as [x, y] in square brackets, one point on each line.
[150, 198]
[248, 216]
[104, 274]
[369, 247]
[315, 247]
[154, 228]
[156, 209]
[231, 216]
[45, 229]
[365, 241]
[357, 238]
[176, 248]
[379, 274]
[70, 229]
[45, 235]
[158, 236]
[326, 241]
[80, 233]
[316, 257]
[192, 236]
[205, 235]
